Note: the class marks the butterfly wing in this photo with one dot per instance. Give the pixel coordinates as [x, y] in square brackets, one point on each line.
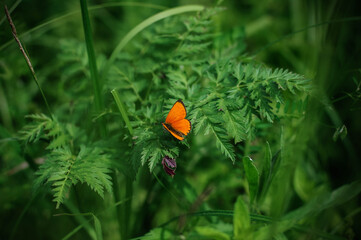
[176, 113]
[176, 123]
[179, 129]
[183, 126]
[177, 135]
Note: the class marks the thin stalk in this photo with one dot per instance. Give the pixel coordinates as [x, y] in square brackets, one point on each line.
[98, 98]
[247, 147]
[97, 233]
[257, 218]
[161, 184]
[27, 59]
[79, 217]
[25, 210]
[117, 197]
[81, 225]
[122, 111]
[73, 13]
[13, 7]
[73, 232]
[127, 208]
[337, 121]
[125, 219]
[5, 110]
[350, 19]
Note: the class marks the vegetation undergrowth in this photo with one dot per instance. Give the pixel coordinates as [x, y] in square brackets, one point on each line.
[248, 169]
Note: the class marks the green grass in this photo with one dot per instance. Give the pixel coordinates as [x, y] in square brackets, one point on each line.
[272, 90]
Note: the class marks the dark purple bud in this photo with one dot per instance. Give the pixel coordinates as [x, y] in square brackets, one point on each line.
[169, 165]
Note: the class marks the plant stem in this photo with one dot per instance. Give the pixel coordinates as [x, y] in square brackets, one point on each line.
[256, 218]
[122, 111]
[127, 207]
[79, 217]
[247, 147]
[98, 98]
[125, 220]
[5, 110]
[117, 197]
[27, 59]
[23, 212]
[337, 121]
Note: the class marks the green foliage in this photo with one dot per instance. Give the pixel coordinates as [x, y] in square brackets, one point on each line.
[340, 132]
[235, 96]
[252, 176]
[98, 228]
[266, 173]
[316, 205]
[241, 220]
[105, 135]
[62, 169]
[212, 233]
[225, 98]
[46, 128]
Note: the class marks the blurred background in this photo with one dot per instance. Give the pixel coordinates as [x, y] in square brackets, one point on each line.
[318, 39]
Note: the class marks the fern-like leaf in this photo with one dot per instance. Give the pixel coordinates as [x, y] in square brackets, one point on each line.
[62, 169]
[35, 130]
[208, 122]
[44, 127]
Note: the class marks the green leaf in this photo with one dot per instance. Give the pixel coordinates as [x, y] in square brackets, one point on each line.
[98, 228]
[340, 132]
[98, 97]
[252, 176]
[222, 143]
[306, 181]
[155, 158]
[281, 236]
[266, 173]
[343, 194]
[315, 206]
[46, 128]
[234, 119]
[211, 233]
[34, 131]
[62, 169]
[241, 218]
[58, 142]
[209, 122]
[156, 234]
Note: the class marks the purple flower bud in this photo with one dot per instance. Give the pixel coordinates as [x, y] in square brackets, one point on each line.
[169, 165]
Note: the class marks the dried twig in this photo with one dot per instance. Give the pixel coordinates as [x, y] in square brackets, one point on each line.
[27, 59]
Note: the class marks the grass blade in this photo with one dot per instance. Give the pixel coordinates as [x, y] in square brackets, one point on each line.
[91, 56]
[252, 176]
[122, 111]
[146, 23]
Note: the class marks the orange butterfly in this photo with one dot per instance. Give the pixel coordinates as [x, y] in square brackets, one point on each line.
[176, 122]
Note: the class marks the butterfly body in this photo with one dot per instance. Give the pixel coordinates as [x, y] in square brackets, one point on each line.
[176, 122]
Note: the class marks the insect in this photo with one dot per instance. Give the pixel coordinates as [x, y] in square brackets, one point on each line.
[176, 122]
